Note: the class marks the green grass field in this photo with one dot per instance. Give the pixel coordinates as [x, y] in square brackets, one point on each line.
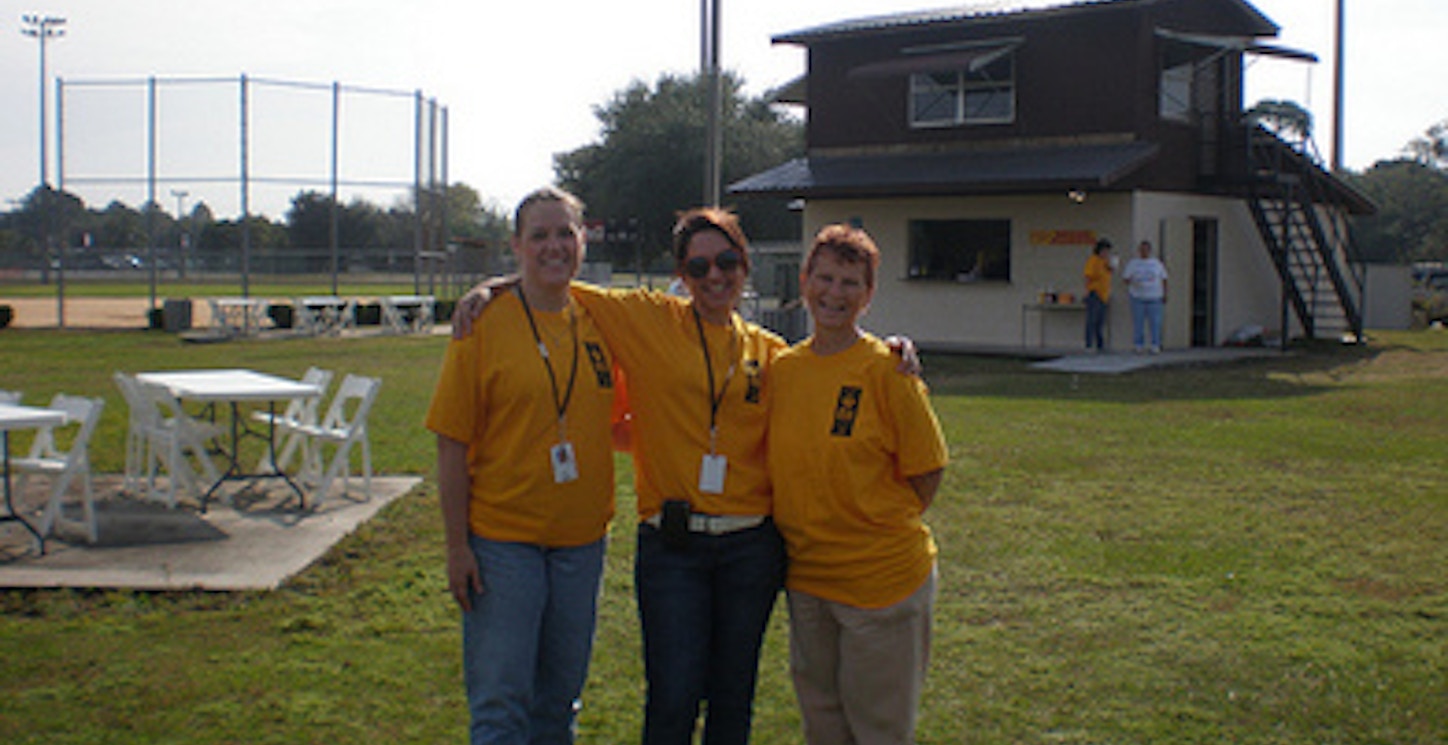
[1248, 553]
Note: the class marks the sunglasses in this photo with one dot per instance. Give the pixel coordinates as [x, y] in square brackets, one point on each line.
[727, 261]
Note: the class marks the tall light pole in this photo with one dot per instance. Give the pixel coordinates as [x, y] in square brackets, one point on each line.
[42, 28]
[714, 133]
[180, 195]
[185, 241]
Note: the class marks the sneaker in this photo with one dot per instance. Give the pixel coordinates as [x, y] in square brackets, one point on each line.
[1155, 349]
[1140, 350]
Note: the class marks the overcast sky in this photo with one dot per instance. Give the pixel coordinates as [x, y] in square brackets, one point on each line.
[520, 81]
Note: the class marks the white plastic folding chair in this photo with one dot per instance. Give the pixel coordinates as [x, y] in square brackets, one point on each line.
[343, 426]
[9, 397]
[141, 418]
[300, 412]
[62, 466]
[175, 440]
[152, 443]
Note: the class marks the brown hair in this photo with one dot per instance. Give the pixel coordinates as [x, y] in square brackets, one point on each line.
[851, 245]
[547, 194]
[699, 219]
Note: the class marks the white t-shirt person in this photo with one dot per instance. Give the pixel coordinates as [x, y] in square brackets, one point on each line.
[1145, 275]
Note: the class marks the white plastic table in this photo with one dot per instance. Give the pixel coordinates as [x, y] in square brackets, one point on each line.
[322, 314]
[404, 314]
[15, 416]
[237, 315]
[233, 388]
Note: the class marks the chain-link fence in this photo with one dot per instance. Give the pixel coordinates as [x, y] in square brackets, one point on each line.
[241, 151]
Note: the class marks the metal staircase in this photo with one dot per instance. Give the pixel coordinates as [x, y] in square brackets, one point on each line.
[1303, 222]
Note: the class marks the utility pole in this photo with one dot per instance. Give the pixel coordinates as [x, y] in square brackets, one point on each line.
[1337, 88]
[714, 136]
[42, 28]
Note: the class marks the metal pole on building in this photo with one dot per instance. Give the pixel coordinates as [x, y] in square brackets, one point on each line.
[1337, 87]
[42, 29]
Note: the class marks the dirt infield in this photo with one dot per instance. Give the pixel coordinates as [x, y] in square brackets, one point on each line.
[89, 312]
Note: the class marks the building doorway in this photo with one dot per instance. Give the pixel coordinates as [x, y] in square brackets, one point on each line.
[1204, 282]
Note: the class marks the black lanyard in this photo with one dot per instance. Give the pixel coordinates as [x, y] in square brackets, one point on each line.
[560, 406]
[715, 400]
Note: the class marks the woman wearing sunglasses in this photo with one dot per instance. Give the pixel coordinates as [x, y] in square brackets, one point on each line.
[710, 562]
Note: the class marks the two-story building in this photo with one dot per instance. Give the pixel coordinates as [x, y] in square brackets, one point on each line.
[987, 147]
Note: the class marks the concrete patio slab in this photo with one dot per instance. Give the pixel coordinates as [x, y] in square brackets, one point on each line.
[1124, 362]
[255, 540]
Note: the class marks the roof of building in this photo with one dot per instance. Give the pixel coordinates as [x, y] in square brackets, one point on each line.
[1084, 166]
[982, 10]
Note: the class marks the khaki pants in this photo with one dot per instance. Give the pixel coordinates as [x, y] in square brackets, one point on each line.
[859, 672]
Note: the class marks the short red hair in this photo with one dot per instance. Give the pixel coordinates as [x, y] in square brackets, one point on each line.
[849, 244]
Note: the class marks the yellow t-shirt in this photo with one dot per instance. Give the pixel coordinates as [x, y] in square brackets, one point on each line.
[846, 431]
[656, 341]
[1098, 277]
[493, 392]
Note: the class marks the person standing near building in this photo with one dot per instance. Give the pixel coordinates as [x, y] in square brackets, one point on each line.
[856, 454]
[522, 412]
[1099, 266]
[1146, 283]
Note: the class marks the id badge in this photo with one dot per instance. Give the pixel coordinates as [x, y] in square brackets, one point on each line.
[565, 465]
[711, 474]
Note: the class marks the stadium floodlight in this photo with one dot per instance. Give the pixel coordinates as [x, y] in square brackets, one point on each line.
[42, 28]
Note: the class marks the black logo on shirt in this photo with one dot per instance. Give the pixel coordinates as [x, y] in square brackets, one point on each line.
[600, 364]
[751, 381]
[847, 407]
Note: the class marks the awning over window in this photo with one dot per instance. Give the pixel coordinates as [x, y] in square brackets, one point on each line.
[950, 173]
[972, 59]
[794, 92]
[1237, 44]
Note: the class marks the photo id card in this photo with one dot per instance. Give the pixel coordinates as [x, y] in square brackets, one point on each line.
[711, 474]
[565, 465]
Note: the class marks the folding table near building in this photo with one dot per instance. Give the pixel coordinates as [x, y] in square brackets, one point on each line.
[15, 416]
[322, 314]
[407, 314]
[232, 389]
[237, 316]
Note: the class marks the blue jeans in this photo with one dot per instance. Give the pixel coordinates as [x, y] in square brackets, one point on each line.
[1144, 314]
[527, 641]
[1095, 321]
[704, 610]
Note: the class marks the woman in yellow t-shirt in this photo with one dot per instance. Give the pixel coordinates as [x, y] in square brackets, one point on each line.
[525, 477]
[1098, 293]
[856, 454]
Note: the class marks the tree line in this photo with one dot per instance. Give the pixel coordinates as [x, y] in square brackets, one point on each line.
[646, 166]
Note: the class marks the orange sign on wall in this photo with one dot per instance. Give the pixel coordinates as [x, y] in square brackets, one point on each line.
[1063, 237]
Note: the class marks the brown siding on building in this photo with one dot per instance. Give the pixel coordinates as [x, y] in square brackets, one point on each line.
[1079, 76]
